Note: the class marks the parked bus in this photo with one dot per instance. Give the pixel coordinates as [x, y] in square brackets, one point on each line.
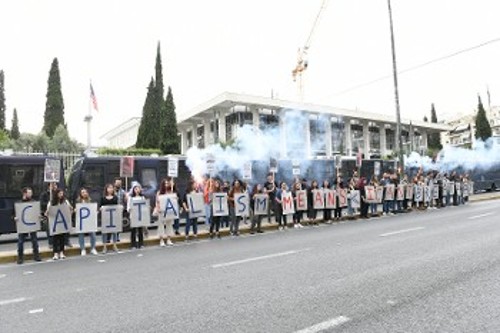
[17, 172]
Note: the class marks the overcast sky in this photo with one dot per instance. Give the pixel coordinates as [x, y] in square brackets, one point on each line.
[245, 46]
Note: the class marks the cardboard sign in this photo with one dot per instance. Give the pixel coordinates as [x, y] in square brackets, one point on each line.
[371, 194]
[451, 188]
[435, 192]
[287, 203]
[260, 204]
[247, 171]
[400, 192]
[273, 165]
[419, 193]
[471, 188]
[210, 164]
[52, 171]
[376, 167]
[342, 192]
[330, 199]
[241, 204]
[409, 191]
[27, 216]
[380, 193]
[111, 219]
[127, 167]
[219, 204]
[389, 192]
[85, 217]
[173, 167]
[466, 190]
[140, 213]
[301, 200]
[355, 199]
[196, 205]
[458, 189]
[169, 207]
[427, 193]
[59, 219]
[318, 199]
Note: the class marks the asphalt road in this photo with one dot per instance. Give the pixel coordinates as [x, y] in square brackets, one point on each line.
[432, 271]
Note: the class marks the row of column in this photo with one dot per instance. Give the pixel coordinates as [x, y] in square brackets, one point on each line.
[209, 139]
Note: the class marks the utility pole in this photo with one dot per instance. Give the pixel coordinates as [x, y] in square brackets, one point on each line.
[398, 141]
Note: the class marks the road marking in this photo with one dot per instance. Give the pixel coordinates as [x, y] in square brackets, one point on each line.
[2, 275]
[28, 273]
[101, 260]
[479, 216]
[401, 231]
[269, 256]
[36, 311]
[325, 325]
[11, 301]
[140, 255]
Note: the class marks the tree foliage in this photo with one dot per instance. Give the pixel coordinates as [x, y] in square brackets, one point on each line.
[169, 137]
[483, 128]
[2, 100]
[146, 136]
[14, 131]
[54, 106]
[434, 138]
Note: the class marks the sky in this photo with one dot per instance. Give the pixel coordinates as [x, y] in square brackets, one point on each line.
[209, 47]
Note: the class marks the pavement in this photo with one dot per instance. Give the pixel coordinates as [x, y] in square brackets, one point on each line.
[426, 271]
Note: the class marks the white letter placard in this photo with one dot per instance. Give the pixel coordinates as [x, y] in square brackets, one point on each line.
[342, 197]
[318, 199]
[427, 193]
[260, 204]
[27, 216]
[111, 219]
[140, 213]
[400, 192]
[380, 193]
[419, 193]
[85, 217]
[195, 204]
[287, 203]
[301, 200]
[241, 204]
[389, 192]
[371, 194]
[409, 191]
[355, 199]
[169, 207]
[330, 199]
[219, 204]
[59, 219]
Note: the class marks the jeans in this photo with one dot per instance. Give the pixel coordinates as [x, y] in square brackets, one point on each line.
[191, 222]
[176, 225]
[58, 243]
[34, 243]
[373, 208]
[105, 237]
[208, 214]
[234, 227]
[256, 222]
[81, 241]
[350, 210]
[215, 224]
[134, 234]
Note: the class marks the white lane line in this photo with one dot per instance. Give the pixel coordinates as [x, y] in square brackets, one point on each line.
[28, 273]
[269, 256]
[400, 232]
[36, 311]
[2, 275]
[14, 300]
[325, 325]
[101, 260]
[479, 216]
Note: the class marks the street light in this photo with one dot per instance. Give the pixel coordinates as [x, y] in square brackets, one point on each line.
[398, 143]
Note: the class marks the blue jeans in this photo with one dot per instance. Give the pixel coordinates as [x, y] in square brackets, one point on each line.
[191, 222]
[350, 211]
[373, 208]
[34, 243]
[208, 214]
[176, 225]
[81, 240]
[105, 237]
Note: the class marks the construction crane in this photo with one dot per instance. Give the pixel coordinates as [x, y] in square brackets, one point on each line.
[302, 61]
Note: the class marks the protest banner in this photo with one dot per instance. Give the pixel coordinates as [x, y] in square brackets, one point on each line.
[371, 194]
[355, 199]
[85, 218]
[260, 204]
[27, 216]
[52, 170]
[301, 200]
[451, 188]
[127, 166]
[409, 192]
[169, 206]
[287, 203]
[195, 205]
[247, 171]
[241, 204]
[427, 194]
[140, 213]
[59, 219]
[219, 204]
[380, 193]
[173, 167]
[342, 192]
[400, 192]
[318, 199]
[111, 219]
[330, 199]
[419, 193]
[389, 192]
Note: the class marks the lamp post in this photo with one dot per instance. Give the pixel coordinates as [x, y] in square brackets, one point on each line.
[398, 143]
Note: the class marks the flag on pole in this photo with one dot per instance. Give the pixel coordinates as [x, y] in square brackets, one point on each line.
[93, 98]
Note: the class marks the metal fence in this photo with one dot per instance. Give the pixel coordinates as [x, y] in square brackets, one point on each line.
[68, 158]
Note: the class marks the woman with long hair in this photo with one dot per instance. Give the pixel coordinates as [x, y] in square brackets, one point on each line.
[165, 225]
[136, 234]
[58, 199]
[109, 198]
[84, 197]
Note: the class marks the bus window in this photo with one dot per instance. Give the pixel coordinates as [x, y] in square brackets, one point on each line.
[148, 178]
[22, 176]
[94, 177]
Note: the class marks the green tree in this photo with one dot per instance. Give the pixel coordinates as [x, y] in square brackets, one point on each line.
[434, 138]
[2, 100]
[483, 128]
[4, 139]
[14, 131]
[54, 106]
[61, 141]
[169, 137]
[159, 76]
[425, 119]
[146, 136]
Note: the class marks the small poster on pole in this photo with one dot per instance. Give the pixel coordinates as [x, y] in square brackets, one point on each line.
[173, 167]
[127, 167]
[247, 171]
[52, 170]
[210, 163]
[273, 165]
[376, 167]
[355, 199]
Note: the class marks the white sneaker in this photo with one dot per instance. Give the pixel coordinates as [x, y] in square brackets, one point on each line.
[83, 253]
[62, 256]
[115, 248]
[295, 226]
[162, 243]
[55, 257]
[300, 225]
[169, 242]
[93, 251]
[105, 249]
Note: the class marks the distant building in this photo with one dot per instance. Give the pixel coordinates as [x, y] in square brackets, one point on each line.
[123, 135]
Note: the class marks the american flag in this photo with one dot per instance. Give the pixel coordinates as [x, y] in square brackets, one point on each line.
[93, 98]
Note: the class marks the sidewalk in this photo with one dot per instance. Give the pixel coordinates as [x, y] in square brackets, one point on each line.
[8, 245]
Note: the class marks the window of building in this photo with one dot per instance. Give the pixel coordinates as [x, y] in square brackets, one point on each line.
[317, 128]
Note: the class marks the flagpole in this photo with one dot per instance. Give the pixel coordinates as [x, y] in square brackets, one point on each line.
[88, 120]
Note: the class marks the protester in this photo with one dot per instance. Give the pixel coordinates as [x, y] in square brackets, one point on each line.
[58, 241]
[234, 227]
[297, 216]
[109, 198]
[280, 217]
[136, 233]
[165, 225]
[27, 197]
[190, 221]
[85, 198]
[216, 220]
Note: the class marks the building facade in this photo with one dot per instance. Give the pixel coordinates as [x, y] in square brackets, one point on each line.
[123, 135]
[323, 130]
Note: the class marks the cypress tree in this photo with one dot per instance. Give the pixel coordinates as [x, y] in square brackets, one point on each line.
[146, 137]
[159, 75]
[169, 138]
[54, 106]
[434, 138]
[425, 119]
[2, 101]
[483, 128]
[14, 131]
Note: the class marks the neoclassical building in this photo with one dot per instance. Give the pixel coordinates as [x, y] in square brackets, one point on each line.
[323, 131]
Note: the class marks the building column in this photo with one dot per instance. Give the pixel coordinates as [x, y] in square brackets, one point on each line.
[348, 136]
[207, 136]
[424, 138]
[308, 136]
[256, 118]
[411, 137]
[328, 136]
[366, 139]
[194, 135]
[282, 127]
[222, 126]
[184, 141]
[383, 140]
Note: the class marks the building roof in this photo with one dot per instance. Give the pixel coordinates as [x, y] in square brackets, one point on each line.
[130, 123]
[227, 100]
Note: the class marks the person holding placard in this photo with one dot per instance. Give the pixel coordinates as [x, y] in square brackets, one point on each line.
[27, 197]
[271, 187]
[165, 223]
[44, 202]
[217, 192]
[257, 190]
[362, 195]
[297, 216]
[373, 205]
[235, 220]
[84, 197]
[190, 221]
[312, 214]
[208, 185]
[58, 241]
[109, 198]
[122, 200]
[136, 233]
[327, 212]
[339, 185]
[280, 217]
